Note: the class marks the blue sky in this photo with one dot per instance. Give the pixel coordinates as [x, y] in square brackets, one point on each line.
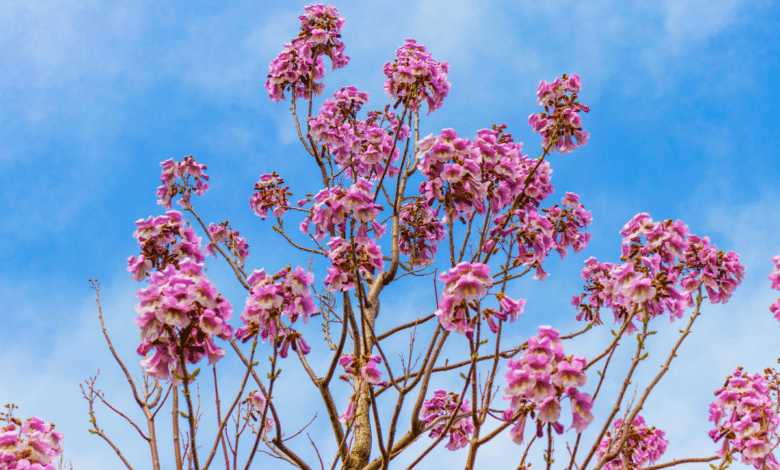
[93, 95]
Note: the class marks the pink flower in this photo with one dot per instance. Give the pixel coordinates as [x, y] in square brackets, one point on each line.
[440, 407]
[564, 122]
[649, 447]
[749, 417]
[516, 433]
[570, 373]
[33, 447]
[415, 75]
[349, 413]
[512, 308]
[420, 232]
[257, 401]
[532, 383]
[181, 170]
[370, 372]
[320, 30]
[581, 404]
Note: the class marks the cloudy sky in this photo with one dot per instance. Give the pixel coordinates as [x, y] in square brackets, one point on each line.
[94, 94]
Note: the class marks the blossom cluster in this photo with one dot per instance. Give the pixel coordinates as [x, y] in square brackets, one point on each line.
[179, 314]
[362, 148]
[650, 280]
[463, 284]
[345, 256]
[286, 293]
[31, 445]
[560, 120]
[415, 75]
[420, 232]
[235, 245]
[301, 61]
[538, 380]
[271, 194]
[440, 408]
[164, 240]
[643, 446]
[181, 170]
[748, 417]
[774, 278]
[537, 234]
[334, 206]
[469, 177]
[367, 367]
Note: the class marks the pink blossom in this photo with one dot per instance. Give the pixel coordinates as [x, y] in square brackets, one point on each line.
[420, 232]
[349, 414]
[271, 194]
[363, 252]
[561, 120]
[292, 69]
[181, 297]
[570, 373]
[541, 376]
[659, 274]
[163, 240]
[257, 401]
[649, 447]
[364, 148]
[272, 297]
[33, 446]
[440, 407]
[415, 75]
[581, 404]
[745, 413]
[181, 170]
[370, 372]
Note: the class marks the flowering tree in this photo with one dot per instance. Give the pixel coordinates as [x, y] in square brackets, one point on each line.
[389, 199]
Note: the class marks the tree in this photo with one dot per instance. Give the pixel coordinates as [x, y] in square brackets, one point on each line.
[484, 200]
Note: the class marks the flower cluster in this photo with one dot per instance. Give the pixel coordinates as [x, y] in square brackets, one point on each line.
[301, 62]
[440, 408]
[181, 170]
[257, 401]
[367, 367]
[468, 177]
[363, 148]
[415, 75]
[538, 380]
[453, 174]
[235, 245]
[271, 195]
[179, 314]
[420, 232]
[31, 445]
[643, 446]
[774, 278]
[285, 293]
[362, 253]
[334, 206]
[164, 240]
[537, 234]
[748, 419]
[467, 282]
[561, 119]
[650, 280]
[505, 168]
